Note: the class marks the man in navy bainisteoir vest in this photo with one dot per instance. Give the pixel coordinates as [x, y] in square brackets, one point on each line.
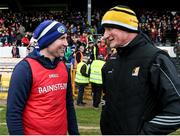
[40, 96]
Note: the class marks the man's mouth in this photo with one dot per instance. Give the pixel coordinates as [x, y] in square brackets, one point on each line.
[111, 39]
[62, 49]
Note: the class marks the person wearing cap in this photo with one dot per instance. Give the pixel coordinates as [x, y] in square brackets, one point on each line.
[82, 79]
[92, 49]
[78, 57]
[141, 84]
[40, 97]
[96, 80]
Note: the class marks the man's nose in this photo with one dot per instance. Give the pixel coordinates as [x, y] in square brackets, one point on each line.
[105, 36]
[65, 43]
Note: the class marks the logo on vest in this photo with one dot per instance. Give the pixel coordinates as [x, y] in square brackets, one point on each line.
[135, 71]
[53, 75]
[110, 71]
[50, 88]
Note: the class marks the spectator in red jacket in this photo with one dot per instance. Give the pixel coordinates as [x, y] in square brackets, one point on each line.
[25, 40]
[102, 48]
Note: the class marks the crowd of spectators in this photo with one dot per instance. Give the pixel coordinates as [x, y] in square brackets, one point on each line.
[16, 28]
[161, 27]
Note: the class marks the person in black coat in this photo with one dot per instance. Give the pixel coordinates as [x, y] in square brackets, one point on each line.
[15, 52]
[141, 84]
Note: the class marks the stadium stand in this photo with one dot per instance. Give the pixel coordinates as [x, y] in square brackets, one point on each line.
[163, 27]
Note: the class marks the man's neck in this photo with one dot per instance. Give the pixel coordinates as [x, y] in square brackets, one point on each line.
[130, 37]
[47, 55]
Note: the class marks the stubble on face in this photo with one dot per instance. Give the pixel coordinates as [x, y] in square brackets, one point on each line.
[118, 38]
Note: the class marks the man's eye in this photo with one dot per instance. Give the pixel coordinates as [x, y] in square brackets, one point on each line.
[62, 38]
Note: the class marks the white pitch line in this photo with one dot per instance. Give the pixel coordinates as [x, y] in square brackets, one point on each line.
[80, 127]
[3, 124]
[88, 127]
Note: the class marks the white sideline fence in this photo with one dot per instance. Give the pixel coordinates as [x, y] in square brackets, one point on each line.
[6, 51]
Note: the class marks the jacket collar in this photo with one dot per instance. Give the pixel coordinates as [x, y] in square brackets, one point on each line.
[46, 62]
[139, 40]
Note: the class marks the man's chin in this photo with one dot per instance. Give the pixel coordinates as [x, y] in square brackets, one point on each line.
[58, 55]
[115, 45]
[112, 46]
[61, 54]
